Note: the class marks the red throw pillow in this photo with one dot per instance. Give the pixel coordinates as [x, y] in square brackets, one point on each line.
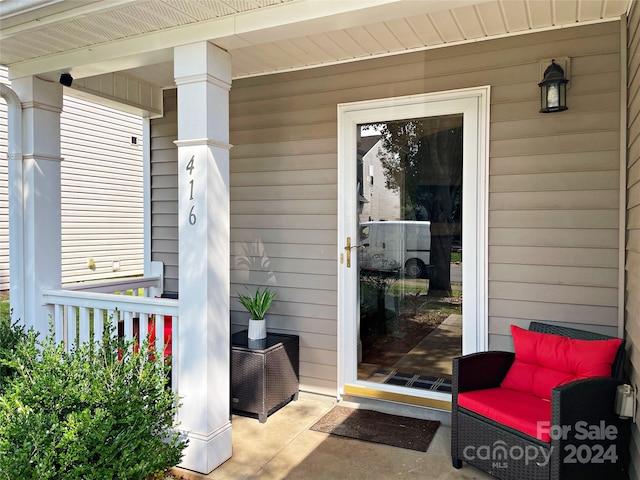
[544, 361]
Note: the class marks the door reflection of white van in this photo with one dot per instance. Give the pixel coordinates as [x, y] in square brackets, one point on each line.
[396, 245]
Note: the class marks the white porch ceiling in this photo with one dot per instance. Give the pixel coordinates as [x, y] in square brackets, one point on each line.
[136, 37]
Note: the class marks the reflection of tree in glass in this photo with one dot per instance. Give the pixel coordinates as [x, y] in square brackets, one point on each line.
[422, 161]
[416, 300]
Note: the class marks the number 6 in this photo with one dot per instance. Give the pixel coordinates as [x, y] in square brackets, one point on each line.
[192, 216]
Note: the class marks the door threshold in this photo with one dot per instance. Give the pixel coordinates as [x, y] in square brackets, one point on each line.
[413, 400]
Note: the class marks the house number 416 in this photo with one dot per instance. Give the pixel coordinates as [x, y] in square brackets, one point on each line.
[190, 167]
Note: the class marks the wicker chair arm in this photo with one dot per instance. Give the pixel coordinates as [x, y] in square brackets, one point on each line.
[480, 370]
[588, 430]
[591, 399]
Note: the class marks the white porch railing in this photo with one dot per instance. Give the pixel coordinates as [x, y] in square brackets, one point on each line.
[80, 313]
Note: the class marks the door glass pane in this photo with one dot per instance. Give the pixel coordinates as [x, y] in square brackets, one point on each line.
[410, 251]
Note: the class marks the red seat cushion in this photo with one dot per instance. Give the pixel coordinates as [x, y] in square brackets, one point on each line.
[544, 361]
[521, 411]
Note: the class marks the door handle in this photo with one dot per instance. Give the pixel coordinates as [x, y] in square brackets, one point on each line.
[348, 248]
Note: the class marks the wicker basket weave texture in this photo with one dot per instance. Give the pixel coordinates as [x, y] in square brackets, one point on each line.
[264, 379]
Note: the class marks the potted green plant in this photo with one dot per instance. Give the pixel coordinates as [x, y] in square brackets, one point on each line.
[257, 305]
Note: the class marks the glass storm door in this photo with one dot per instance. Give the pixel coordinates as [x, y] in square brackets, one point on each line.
[406, 167]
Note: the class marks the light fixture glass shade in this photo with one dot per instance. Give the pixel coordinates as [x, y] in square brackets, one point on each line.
[553, 89]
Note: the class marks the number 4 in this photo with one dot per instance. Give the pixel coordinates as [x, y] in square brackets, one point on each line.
[190, 165]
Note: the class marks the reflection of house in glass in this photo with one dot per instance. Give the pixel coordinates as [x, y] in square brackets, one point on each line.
[378, 202]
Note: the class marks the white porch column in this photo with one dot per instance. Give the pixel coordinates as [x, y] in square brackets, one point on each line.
[39, 229]
[203, 76]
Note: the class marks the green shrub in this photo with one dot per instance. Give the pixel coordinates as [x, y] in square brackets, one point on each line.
[4, 307]
[86, 414]
[10, 336]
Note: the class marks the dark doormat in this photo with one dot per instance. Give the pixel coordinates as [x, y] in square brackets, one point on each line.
[424, 382]
[394, 430]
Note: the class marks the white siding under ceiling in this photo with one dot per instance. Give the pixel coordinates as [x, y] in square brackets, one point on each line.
[102, 202]
[102, 205]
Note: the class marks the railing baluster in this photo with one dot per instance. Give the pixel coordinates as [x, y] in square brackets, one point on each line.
[84, 325]
[98, 324]
[143, 330]
[159, 326]
[65, 328]
[72, 325]
[128, 326]
[58, 324]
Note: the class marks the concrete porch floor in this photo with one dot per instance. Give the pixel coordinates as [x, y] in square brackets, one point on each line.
[285, 448]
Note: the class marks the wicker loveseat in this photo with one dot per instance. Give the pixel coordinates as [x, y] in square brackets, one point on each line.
[516, 435]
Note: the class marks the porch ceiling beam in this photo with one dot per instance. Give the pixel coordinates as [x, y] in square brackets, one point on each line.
[140, 97]
[254, 27]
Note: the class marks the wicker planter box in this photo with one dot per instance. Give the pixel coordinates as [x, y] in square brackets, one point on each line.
[265, 377]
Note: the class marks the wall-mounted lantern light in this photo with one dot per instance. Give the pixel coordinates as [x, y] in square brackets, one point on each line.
[553, 89]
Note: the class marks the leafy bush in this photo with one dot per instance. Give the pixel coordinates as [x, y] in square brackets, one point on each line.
[86, 414]
[10, 336]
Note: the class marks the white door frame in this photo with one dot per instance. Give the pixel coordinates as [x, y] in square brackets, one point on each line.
[473, 103]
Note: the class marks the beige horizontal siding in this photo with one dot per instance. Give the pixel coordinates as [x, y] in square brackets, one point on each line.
[306, 207]
[286, 250]
[554, 237]
[315, 237]
[632, 294]
[554, 256]
[560, 275]
[317, 283]
[555, 182]
[561, 219]
[164, 190]
[290, 265]
[273, 164]
[303, 222]
[568, 162]
[552, 293]
[555, 200]
[549, 311]
[305, 177]
[262, 193]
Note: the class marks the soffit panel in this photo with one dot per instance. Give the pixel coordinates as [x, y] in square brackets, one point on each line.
[447, 27]
[542, 15]
[403, 32]
[492, 18]
[469, 22]
[128, 20]
[425, 30]
[282, 47]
